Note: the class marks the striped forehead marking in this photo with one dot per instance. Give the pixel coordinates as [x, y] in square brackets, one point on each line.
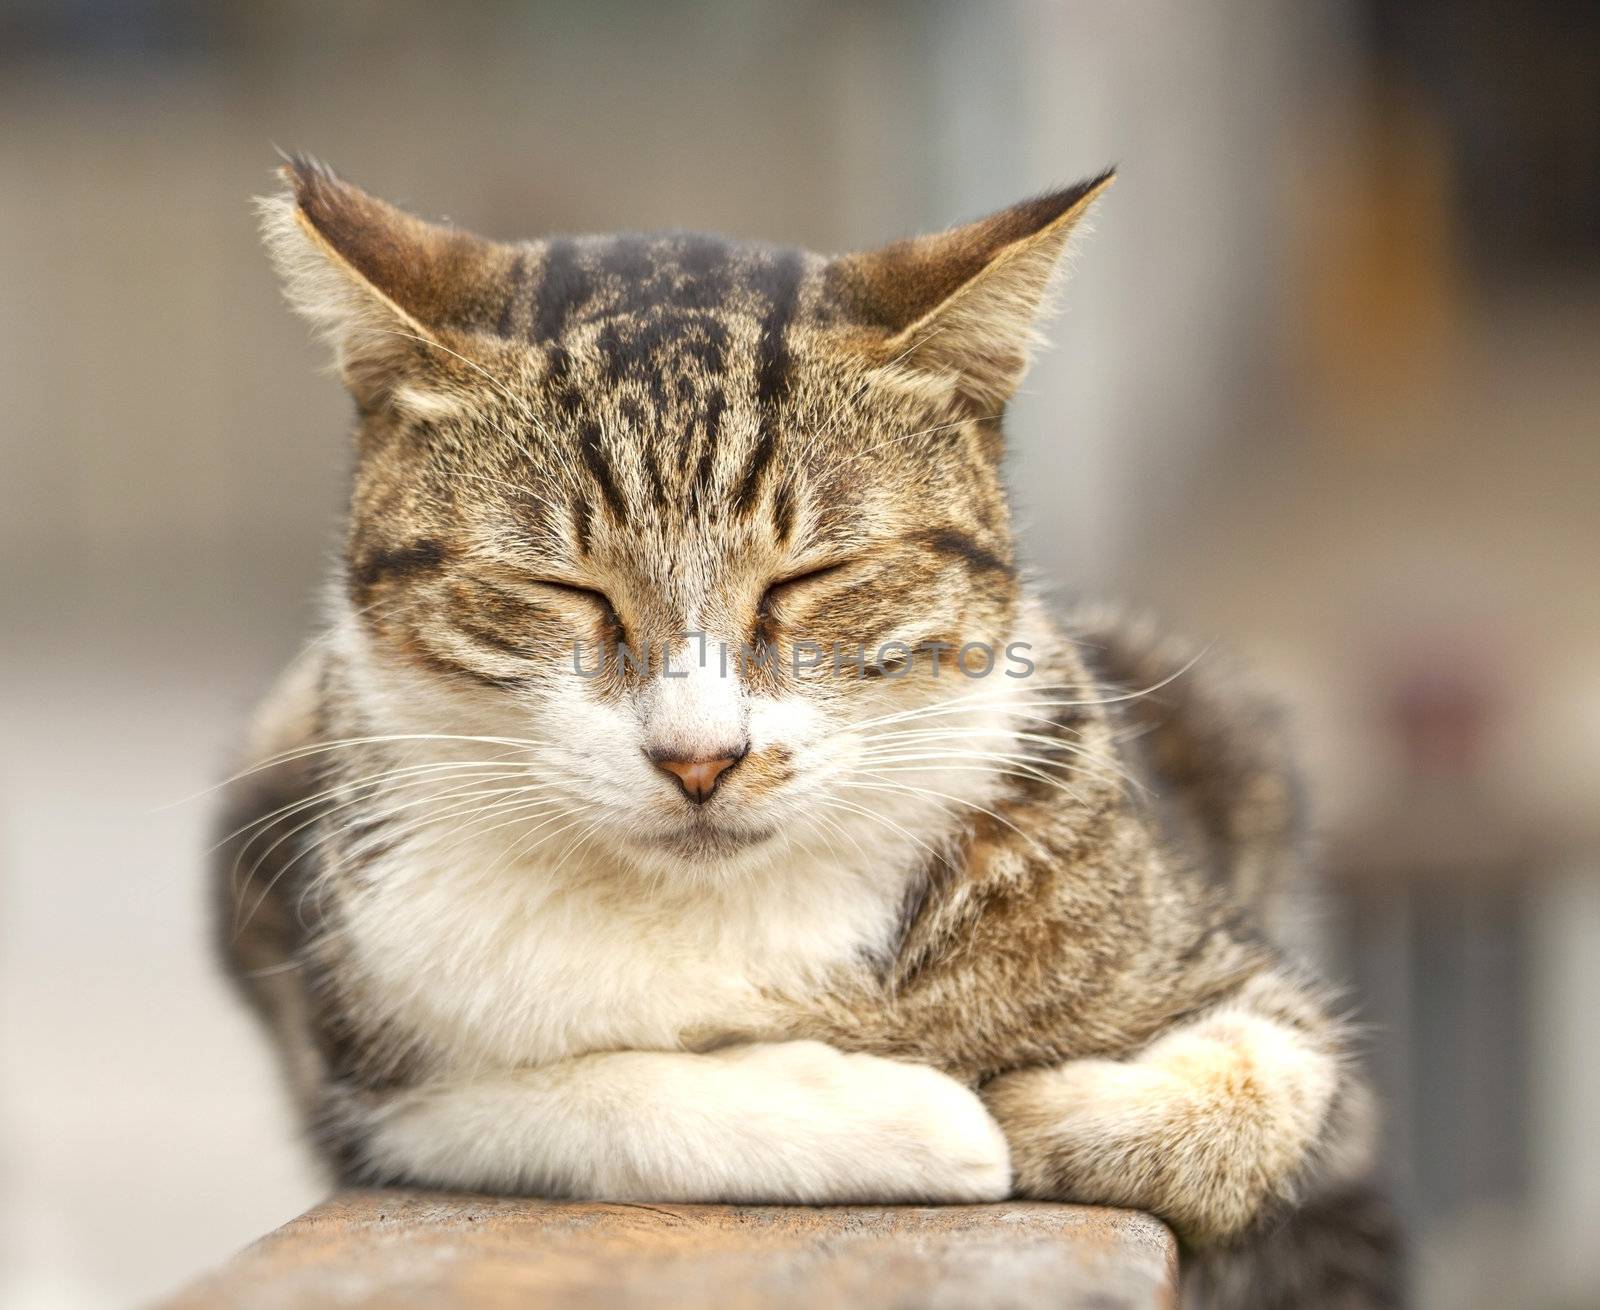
[664, 314]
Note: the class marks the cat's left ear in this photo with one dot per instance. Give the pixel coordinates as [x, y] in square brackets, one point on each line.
[397, 297]
[963, 305]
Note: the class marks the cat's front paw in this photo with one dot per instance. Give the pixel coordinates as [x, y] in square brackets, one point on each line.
[1211, 1127]
[954, 1148]
[889, 1130]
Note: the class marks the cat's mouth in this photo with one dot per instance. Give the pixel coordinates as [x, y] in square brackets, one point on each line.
[703, 837]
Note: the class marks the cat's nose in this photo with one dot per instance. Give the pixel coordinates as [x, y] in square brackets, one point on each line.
[698, 777]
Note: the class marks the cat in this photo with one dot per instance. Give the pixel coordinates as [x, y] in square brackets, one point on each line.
[557, 869]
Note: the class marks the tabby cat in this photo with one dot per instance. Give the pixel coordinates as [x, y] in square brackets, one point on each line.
[557, 869]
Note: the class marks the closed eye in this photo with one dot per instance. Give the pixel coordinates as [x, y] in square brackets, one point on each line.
[796, 582]
[588, 594]
[525, 584]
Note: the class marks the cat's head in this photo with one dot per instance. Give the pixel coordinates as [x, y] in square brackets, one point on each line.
[707, 520]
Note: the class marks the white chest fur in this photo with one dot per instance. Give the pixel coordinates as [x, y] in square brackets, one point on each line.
[516, 966]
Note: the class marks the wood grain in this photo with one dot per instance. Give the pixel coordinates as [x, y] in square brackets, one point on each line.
[415, 1250]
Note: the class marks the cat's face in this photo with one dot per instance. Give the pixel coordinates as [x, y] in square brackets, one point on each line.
[706, 521]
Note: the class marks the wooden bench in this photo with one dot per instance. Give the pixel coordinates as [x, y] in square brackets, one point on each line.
[430, 1251]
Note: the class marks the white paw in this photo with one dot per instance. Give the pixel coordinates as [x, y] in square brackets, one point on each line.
[884, 1130]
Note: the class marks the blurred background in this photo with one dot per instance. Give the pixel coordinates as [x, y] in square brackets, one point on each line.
[1326, 386]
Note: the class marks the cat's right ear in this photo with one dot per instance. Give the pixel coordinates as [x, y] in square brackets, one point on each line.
[396, 297]
[961, 307]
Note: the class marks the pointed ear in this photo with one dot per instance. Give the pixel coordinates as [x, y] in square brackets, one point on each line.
[964, 304]
[385, 288]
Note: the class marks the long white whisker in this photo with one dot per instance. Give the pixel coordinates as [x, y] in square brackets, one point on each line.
[1015, 705]
[383, 818]
[889, 785]
[971, 764]
[868, 812]
[344, 743]
[1090, 762]
[468, 808]
[1041, 764]
[384, 777]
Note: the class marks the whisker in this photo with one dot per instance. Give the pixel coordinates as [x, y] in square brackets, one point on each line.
[389, 831]
[965, 704]
[382, 819]
[855, 808]
[298, 753]
[918, 736]
[834, 826]
[369, 779]
[522, 851]
[1085, 764]
[972, 764]
[516, 816]
[364, 794]
[889, 785]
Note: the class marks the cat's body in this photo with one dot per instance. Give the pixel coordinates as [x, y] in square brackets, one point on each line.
[847, 932]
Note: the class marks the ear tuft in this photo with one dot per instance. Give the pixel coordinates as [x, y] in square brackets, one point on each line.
[965, 304]
[379, 284]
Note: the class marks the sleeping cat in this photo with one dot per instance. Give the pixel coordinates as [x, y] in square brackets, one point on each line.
[688, 801]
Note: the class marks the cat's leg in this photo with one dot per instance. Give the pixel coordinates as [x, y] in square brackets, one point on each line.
[1218, 1123]
[767, 1122]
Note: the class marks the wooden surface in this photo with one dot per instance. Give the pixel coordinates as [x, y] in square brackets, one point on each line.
[405, 1250]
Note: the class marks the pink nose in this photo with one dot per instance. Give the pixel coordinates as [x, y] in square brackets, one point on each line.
[698, 778]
